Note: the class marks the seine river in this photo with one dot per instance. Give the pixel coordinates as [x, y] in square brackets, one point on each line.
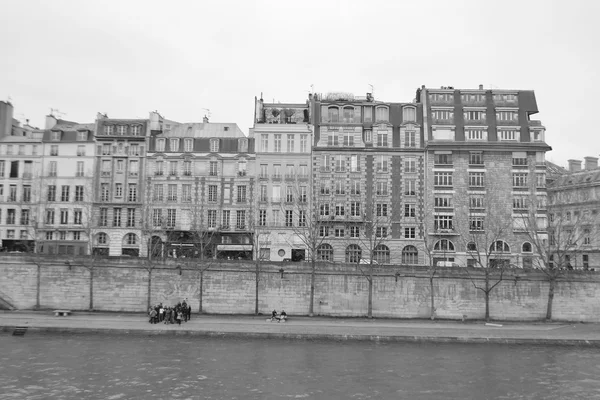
[53, 366]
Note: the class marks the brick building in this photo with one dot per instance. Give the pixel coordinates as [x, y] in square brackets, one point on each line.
[368, 174]
[484, 167]
[283, 171]
[200, 182]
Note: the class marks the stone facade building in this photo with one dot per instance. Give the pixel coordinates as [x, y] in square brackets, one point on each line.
[200, 185]
[368, 176]
[283, 135]
[484, 168]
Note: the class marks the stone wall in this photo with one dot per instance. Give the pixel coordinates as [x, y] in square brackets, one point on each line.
[229, 288]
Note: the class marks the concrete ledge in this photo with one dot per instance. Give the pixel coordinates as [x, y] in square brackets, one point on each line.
[312, 336]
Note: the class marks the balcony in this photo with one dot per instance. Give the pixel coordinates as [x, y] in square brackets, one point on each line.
[444, 232]
[263, 176]
[158, 173]
[27, 175]
[241, 173]
[105, 173]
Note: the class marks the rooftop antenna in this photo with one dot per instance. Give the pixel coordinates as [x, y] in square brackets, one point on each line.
[372, 89]
[312, 88]
[207, 115]
[56, 113]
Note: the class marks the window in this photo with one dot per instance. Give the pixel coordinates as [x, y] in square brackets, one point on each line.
[79, 171]
[303, 143]
[410, 255]
[519, 159]
[476, 179]
[188, 145]
[120, 166]
[381, 209]
[12, 195]
[78, 216]
[131, 239]
[160, 145]
[476, 158]
[410, 164]
[264, 142]
[382, 163]
[381, 232]
[171, 217]
[500, 246]
[520, 203]
[212, 218]
[26, 194]
[302, 194]
[443, 223]
[382, 188]
[134, 149]
[24, 217]
[9, 149]
[213, 168]
[64, 216]
[131, 217]
[475, 134]
[477, 115]
[446, 115]
[276, 171]
[290, 143]
[158, 193]
[277, 143]
[102, 220]
[333, 114]
[340, 210]
[136, 130]
[289, 215]
[368, 114]
[134, 166]
[381, 254]
[340, 187]
[214, 145]
[325, 252]
[158, 168]
[289, 194]
[340, 163]
[104, 192]
[242, 164]
[339, 232]
[410, 139]
[444, 201]
[354, 231]
[442, 159]
[55, 136]
[324, 210]
[121, 130]
[507, 116]
[520, 179]
[586, 237]
[186, 193]
[353, 253]
[240, 222]
[323, 231]
[381, 114]
[410, 210]
[79, 193]
[442, 178]
[116, 217]
[508, 134]
[64, 196]
[354, 187]
[355, 209]
[410, 187]
[410, 232]
[263, 193]
[172, 168]
[354, 163]
[262, 217]
[172, 192]
[49, 235]
[49, 216]
[10, 216]
[368, 135]
[276, 193]
[54, 150]
[409, 114]
[382, 139]
[443, 245]
[132, 195]
[476, 201]
[476, 223]
[174, 144]
[241, 194]
[187, 168]
[586, 261]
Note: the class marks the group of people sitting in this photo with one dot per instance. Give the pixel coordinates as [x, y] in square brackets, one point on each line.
[170, 315]
[282, 317]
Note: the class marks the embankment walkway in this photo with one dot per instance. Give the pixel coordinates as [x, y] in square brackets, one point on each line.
[317, 328]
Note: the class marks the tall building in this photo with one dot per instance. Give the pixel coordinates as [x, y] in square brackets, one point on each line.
[200, 182]
[119, 186]
[368, 175]
[484, 168]
[65, 224]
[283, 170]
[20, 156]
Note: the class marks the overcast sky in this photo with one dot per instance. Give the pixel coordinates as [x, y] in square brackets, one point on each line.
[127, 58]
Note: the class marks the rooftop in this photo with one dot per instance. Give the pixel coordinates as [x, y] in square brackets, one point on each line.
[205, 130]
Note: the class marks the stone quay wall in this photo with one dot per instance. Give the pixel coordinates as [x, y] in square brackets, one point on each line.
[340, 290]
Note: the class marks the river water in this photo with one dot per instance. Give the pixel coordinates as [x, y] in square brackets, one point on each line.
[59, 366]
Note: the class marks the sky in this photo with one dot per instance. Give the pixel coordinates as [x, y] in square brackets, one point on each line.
[129, 57]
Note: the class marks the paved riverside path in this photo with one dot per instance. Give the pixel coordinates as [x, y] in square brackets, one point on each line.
[309, 328]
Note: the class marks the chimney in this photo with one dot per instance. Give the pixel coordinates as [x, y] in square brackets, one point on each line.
[50, 121]
[591, 163]
[574, 165]
[480, 87]
[205, 119]
[6, 118]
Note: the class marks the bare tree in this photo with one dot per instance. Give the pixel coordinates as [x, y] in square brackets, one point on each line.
[557, 240]
[429, 241]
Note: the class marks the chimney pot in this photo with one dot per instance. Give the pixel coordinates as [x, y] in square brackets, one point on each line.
[480, 87]
[205, 119]
[591, 163]
[574, 165]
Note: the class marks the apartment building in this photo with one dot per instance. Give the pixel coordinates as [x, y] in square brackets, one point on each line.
[283, 171]
[118, 186]
[200, 185]
[65, 224]
[20, 157]
[368, 176]
[485, 163]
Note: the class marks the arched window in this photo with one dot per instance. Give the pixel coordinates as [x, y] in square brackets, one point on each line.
[325, 252]
[410, 255]
[526, 247]
[471, 246]
[409, 114]
[130, 239]
[500, 246]
[443, 245]
[102, 239]
[382, 114]
[353, 253]
[381, 254]
[333, 114]
[349, 114]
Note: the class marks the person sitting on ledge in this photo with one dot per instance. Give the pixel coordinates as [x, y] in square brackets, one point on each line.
[283, 316]
[274, 316]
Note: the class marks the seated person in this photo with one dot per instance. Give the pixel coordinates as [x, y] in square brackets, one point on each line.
[283, 316]
[274, 315]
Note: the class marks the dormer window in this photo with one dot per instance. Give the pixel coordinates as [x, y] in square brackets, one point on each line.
[242, 145]
[160, 144]
[188, 145]
[333, 114]
[82, 136]
[382, 114]
[109, 129]
[174, 144]
[409, 114]
[136, 130]
[214, 145]
[226, 128]
[121, 130]
[55, 136]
